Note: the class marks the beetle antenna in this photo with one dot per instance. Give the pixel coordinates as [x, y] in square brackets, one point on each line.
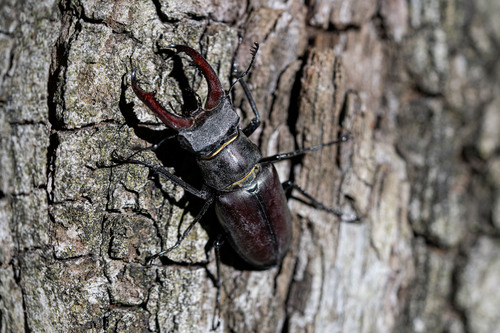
[241, 75]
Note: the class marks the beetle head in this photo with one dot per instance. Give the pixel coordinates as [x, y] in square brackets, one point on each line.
[214, 97]
[206, 128]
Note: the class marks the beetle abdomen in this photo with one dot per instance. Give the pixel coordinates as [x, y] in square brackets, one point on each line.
[256, 219]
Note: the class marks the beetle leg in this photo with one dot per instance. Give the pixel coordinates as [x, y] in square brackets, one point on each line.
[186, 232]
[202, 194]
[346, 217]
[284, 156]
[255, 122]
[138, 150]
[216, 318]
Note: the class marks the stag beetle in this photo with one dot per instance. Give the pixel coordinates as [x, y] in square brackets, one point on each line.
[249, 198]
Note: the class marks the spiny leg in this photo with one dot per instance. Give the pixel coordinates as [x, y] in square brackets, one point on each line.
[154, 147]
[202, 194]
[346, 217]
[186, 232]
[284, 156]
[288, 185]
[216, 318]
[255, 122]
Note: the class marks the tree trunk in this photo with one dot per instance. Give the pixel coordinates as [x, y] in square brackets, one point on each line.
[414, 83]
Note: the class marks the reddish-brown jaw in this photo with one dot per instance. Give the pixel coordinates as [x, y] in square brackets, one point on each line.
[171, 120]
[215, 91]
[214, 96]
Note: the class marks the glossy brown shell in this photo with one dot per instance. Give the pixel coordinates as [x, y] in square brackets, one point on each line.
[257, 220]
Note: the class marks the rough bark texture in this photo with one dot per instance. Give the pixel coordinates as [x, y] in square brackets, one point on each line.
[416, 83]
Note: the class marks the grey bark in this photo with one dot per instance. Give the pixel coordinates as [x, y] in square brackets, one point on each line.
[414, 82]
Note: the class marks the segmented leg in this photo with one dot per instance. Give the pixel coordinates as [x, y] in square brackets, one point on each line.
[346, 217]
[202, 194]
[216, 318]
[154, 147]
[186, 232]
[255, 122]
[284, 156]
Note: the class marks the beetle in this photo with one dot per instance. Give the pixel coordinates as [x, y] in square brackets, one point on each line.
[244, 187]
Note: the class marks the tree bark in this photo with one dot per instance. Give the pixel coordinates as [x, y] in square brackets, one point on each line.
[414, 83]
